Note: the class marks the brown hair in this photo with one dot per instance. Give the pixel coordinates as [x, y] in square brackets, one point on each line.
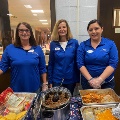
[32, 40]
[94, 21]
[55, 35]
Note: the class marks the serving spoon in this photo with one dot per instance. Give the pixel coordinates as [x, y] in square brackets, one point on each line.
[56, 95]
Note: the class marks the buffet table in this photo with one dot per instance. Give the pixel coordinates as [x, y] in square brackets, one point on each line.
[106, 100]
[35, 106]
[74, 114]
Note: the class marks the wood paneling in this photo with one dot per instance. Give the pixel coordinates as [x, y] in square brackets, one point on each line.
[4, 80]
[106, 17]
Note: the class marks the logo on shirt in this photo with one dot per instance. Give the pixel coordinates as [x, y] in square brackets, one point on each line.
[90, 51]
[70, 46]
[103, 49]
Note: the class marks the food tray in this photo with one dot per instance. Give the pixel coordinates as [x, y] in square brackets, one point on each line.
[89, 112]
[105, 92]
[28, 97]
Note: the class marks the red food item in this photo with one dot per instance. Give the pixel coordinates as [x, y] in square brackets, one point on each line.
[5, 95]
[6, 112]
[27, 105]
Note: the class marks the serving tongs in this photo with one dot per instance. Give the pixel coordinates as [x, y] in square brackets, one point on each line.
[34, 110]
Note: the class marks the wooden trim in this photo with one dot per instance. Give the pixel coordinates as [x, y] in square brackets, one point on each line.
[98, 10]
[53, 13]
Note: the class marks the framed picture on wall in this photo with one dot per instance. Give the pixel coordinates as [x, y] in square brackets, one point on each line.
[116, 17]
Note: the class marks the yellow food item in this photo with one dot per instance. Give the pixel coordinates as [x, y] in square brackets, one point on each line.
[13, 116]
[20, 115]
[10, 116]
[105, 115]
[3, 118]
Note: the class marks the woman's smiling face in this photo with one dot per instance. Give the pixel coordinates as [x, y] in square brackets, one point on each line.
[62, 29]
[95, 31]
[24, 32]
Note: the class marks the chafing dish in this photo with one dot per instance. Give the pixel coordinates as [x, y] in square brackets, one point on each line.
[91, 112]
[109, 96]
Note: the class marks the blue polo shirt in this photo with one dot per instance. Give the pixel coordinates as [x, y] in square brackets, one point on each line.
[26, 67]
[96, 60]
[62, 64]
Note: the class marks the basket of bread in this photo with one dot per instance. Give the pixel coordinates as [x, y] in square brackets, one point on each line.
[14, 105]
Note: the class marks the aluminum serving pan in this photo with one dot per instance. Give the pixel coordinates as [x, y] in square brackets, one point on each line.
[29, 97]
[99, 96]
[91, 112]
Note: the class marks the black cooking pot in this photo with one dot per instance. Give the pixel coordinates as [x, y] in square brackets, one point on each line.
[50, 92]
[59, 112]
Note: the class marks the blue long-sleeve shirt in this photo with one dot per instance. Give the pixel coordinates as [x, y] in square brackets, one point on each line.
[62, 64]
[96, 60]
[26, 67]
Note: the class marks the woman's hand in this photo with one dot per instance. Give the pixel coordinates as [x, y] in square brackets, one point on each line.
[44, 86]
[50, 85]
[77, 84]
[96, 82]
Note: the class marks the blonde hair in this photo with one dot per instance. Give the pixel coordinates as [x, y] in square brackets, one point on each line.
[55, 35]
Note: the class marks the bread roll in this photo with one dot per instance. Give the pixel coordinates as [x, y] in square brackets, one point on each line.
[16, 109]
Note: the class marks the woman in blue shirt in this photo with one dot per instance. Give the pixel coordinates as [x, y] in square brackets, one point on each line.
[26, 61]
[62, 59]
[97, 59]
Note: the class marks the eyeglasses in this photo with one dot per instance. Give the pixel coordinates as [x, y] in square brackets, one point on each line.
[24, 30]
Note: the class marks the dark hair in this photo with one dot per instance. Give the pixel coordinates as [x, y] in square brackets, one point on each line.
[94, 21]
[32, 40]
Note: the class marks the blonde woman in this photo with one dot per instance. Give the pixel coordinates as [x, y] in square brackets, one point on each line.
[62, 59]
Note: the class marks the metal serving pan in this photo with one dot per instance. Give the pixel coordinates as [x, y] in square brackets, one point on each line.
[88, 112]
[28, 97]
[105, 92]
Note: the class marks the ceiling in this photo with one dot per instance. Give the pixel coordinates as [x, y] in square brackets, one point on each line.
[22, 14]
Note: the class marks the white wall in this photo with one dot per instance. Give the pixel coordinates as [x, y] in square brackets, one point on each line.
[78, 13]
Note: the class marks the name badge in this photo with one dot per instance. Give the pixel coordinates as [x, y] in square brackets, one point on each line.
[90, 51]
[57, 48]
[31, 50]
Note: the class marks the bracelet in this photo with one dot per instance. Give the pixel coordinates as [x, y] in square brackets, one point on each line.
[46, 83]
[90, 79]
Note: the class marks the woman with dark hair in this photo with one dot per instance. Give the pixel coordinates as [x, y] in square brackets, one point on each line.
[62, 59]
[97, 58]
[26, 61]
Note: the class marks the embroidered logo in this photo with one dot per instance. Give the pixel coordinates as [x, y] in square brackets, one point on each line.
[103, 49]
